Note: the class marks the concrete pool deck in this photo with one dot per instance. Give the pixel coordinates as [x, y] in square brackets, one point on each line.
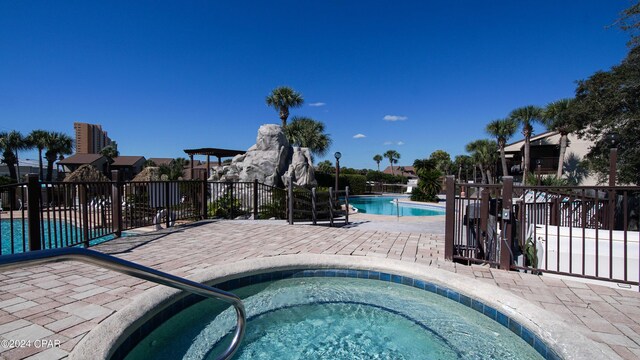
[64, 301]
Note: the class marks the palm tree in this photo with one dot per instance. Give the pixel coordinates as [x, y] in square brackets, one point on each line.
[57, 144]
[110, 152]
[309, 133]
[462, 162]
[38, 139]
[325, 167]
[393, 157]
[502, 130]
[526, 116]
[11, 143]
[282, 98]
[556, 118]
[377, 158]
[483, 152]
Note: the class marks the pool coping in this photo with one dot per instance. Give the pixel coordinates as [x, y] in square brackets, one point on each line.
[104, 339]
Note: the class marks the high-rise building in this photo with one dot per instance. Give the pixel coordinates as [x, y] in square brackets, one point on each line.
[90, 138]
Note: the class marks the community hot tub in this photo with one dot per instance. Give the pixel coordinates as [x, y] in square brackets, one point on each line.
[329, 307]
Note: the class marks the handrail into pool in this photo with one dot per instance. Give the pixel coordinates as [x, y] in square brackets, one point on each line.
[92, 257]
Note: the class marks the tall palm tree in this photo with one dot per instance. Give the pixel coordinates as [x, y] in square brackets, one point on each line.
[11, 142]
[377, 158]
[57, 144]
[309, 133]
[483, 152]
[282, 98]
[38, 139]
[502, 130]
[526, 116]
[393, 157]
[556, 118]
[462, 162]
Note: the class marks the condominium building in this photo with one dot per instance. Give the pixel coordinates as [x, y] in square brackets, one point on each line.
[90, 138]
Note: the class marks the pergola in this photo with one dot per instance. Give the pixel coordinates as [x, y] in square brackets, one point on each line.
[219, 153]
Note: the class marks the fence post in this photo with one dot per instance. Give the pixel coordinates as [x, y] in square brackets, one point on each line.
[84, 207]
[450, 215]
[167, 204]
[116, 203]
[255, 199]
[507, 231]
[314, 210]
[203, 199]
[290, 202]
[484, 225]
[33, 211]
[331, 207]
[231, 200]
[346, 202]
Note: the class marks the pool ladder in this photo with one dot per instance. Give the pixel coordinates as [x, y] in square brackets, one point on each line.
[8, 262]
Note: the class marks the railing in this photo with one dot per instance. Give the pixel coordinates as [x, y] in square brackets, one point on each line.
[141, 272]
[247, 200]
[591, 232]
[47, 215]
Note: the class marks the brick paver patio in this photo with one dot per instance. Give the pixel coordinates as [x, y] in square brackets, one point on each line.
[62, 302]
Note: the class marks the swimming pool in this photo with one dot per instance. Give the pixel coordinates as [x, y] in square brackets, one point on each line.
[60, 233]
[302, 316]
[386, 205]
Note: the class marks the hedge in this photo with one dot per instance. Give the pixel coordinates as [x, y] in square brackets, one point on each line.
[356, 183]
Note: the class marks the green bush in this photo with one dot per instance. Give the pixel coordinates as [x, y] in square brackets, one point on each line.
[356, 183]
[379, 176]
[223, 205]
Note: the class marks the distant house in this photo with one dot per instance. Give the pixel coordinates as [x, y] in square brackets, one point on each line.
[545, 151]
[128, 166]
[70, 164]
[406, 171]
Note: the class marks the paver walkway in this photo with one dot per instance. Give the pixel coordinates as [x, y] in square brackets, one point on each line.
[64, 301]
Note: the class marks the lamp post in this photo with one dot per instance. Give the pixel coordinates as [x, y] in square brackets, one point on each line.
[613, 158]
[338, 155]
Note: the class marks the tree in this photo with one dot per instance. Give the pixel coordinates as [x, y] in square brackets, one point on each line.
[484, 154]
[38, 139]
[526, 116]
[442, 161]
[282, 98]
[556, 118]
[606, 106]
[429, 180]
[174, 169]
[377, 158]
[393, 157]
[325, 167]
[10, 143]
[629, 22]
[309, 133]
[57, 144]
[462, 163]
[110, 152]
[502, 130]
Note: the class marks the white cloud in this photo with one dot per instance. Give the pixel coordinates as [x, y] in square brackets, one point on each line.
[388, 142]
[394, 118]
[316, 104]
[359, 136]
[400, 143]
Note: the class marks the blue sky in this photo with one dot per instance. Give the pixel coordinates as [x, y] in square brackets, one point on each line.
[164, 76]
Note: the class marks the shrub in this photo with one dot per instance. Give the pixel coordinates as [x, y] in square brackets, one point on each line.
[356, 183]
[379, 176]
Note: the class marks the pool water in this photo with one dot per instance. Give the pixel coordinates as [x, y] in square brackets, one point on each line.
[61, 235]
[385, 205]
[335, 318]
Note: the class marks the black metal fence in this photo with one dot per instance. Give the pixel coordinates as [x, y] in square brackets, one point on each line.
[591, 232]
[44, 215]
[311, 205]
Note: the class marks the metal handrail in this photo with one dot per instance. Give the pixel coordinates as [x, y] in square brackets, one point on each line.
[8, 262]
